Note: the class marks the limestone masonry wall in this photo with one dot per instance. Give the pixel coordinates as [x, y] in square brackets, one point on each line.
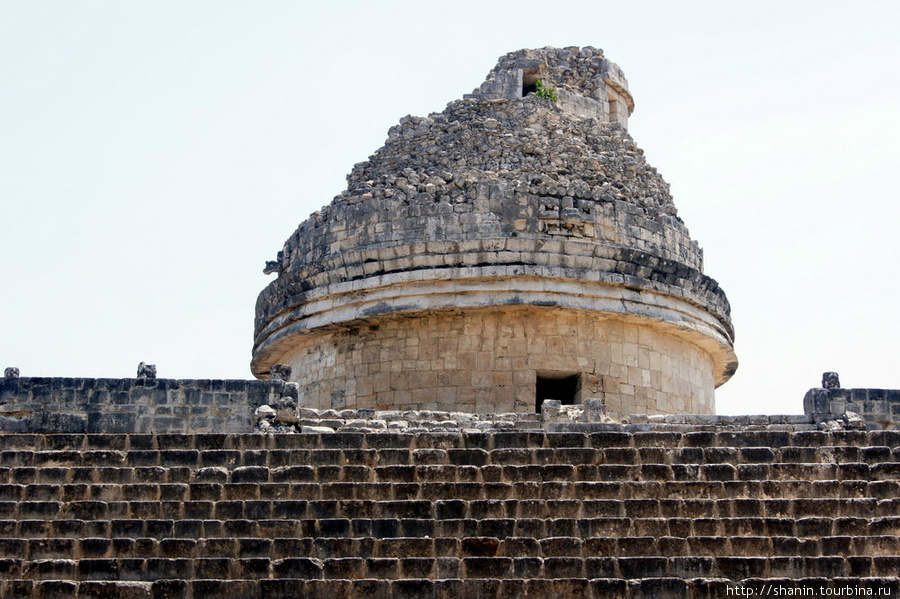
[204, 406]
[140, 405]
[876, 406]
[487, 361]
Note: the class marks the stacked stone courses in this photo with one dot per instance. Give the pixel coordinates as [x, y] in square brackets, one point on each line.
[366, 503]
[511, 209]
[488, 372]
[164, 406]
[86, 405]
[650, 513]
[880, 407]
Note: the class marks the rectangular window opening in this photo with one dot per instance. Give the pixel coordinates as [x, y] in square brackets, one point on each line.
[563, 386]
[529, 81]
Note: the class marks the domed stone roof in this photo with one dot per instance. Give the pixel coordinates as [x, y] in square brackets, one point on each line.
[524, 202]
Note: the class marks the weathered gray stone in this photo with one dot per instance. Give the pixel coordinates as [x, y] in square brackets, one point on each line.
[146, 371]
[280, 372]
[830, 380]
[493, 202]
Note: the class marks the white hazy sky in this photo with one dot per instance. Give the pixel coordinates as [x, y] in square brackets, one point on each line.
[153, 156]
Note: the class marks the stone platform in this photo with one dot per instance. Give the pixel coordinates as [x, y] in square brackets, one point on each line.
[527, 513]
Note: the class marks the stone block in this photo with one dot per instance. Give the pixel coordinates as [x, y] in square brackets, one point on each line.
[115, 590]
[417, 567]
[417, 528]
[438, 440]
[396, 474]
[517, 439]
[98, 569]
[388, 440]
[718, 472]
[284, 588]
[110, 423]
[394, 457]
[54, 589]
[371, 589]
[576, 455]
[344, 568]
[487, 567]
[496, 527]
[413, 589]
[566, 440]
[225, 589]
[563, 567]
[296, 567]
[660, 587]
[740, 568]
[382, 568]
[249, 474]
[642, 567]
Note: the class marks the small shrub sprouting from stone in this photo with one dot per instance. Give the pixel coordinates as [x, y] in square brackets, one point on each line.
[543, 91]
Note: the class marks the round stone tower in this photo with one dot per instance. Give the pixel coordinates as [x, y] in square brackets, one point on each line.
[513, 248]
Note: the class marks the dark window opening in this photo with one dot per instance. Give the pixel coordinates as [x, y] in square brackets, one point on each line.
[529, 81]
[561, 386]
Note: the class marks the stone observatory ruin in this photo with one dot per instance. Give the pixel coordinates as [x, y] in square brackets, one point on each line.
[513, 248]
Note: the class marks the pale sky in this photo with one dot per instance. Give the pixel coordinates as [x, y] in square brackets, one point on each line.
[153, 156]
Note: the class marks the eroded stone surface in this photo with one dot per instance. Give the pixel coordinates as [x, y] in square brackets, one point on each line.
[624, 513]
[473, 233]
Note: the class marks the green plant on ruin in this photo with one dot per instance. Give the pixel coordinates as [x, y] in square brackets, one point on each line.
[542, 91]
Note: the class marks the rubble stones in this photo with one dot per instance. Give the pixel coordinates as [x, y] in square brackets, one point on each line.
[848, 421]
[11, 373]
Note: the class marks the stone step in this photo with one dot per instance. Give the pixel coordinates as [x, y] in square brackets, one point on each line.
[626, 546]
[438, 513]
[742, 493]
[454, 519]
[212, 505]
[731, 568]
[655, 458]
[447, 523]
[721, 478]
[596, 588]
[703, 439]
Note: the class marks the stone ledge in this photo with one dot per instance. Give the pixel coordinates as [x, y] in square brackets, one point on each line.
[199, 406]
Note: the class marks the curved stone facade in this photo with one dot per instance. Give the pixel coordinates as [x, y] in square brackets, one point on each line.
[488, 360]
[513, 206]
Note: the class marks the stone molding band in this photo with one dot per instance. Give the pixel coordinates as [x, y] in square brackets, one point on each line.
[567, 259]
[346, 304]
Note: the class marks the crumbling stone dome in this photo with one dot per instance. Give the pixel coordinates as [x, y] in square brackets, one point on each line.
[510, 249]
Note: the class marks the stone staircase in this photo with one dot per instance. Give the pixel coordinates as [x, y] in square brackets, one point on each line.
[710, 513]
